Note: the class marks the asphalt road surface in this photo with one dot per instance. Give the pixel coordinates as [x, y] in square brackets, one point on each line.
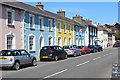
[93, 65]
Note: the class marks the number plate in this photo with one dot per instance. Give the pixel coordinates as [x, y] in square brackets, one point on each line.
[3, 59]
[45, 57]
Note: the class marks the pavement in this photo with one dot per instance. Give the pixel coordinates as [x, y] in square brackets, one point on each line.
[93, 65]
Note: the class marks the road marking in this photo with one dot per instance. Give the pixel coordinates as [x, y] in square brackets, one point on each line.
[110, 53]
[82, 63]
[56, 73]
[96, 58]
[104, 55]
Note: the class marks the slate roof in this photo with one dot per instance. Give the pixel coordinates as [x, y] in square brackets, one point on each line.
[38, 11]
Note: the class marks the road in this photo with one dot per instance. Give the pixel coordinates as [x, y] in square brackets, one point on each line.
[93, 65]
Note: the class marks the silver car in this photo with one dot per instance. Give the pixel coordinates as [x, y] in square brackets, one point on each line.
[16, 58]
[72, 50]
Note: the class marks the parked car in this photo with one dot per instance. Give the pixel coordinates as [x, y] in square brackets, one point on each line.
[16, 58]
[84, 49]
[92, 48]
[100, 48]
[72, 50]
[117, 44]
[52, 53]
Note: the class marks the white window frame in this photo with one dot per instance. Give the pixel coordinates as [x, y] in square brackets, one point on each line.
[50, 27]
[60, 41]
[65, 41]
[33, 49]
[51, 40]
[33, 21]
[77, 30]
[64, 27]
[13, 16]
[69, 40]
[42, 23]
[69, 28]
[14, 40]
[59, 27]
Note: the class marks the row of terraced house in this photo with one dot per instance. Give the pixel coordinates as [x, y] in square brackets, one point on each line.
[27, 27]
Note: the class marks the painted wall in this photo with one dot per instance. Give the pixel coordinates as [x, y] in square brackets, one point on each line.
[79, 37]
[62, 34]
[8, 30]
[37, 32]
[1, 26]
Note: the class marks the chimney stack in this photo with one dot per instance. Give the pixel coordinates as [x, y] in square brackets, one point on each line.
[78, 18]
[40, 5]
[61, 13]
[89, 21]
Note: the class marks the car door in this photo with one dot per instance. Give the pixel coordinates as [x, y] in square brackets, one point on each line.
[26, 57]
[18, 56]
[61, 53]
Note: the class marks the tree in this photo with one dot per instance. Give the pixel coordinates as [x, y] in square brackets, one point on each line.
[118, 35]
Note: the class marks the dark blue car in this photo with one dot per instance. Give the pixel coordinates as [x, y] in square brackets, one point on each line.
[93, 48]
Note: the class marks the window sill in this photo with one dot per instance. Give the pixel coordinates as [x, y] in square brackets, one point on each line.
[41, 29]
[50, 31]
[32, 28]
[32, 51]
[59, 31]
[11, 25]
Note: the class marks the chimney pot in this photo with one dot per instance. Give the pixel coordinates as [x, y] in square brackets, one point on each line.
[61, 13]
[40, 5]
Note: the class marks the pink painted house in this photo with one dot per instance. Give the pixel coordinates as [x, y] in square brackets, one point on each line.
[11, 27]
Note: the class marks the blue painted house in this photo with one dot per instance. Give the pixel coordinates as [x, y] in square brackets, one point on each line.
[79, 34]
[88, 35]
[79, 31]
[38, 28]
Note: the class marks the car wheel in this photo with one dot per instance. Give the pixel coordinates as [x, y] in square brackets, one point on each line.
[66, 57]
[16, 66]
[56, 58]
[34, 62]
[74, 55]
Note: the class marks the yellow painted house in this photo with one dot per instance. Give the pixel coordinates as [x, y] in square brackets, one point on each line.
[64, 29]
[64, 33]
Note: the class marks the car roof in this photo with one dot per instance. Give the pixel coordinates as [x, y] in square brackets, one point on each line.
[13, 50]
[52, 46]
[70, 45]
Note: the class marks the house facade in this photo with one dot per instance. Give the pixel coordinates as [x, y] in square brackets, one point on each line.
[39, 29]
[11, 27]
[102, 36]
[79, 32]
[93, 32]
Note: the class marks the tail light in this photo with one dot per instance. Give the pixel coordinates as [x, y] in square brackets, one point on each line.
[71, 49]
[51, 51]
[11, 59]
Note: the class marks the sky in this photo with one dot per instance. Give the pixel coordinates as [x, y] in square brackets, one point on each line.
[99, 12]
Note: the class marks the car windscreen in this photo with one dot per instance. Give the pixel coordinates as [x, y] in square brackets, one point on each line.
[46, 48]
[80, 47]
[90, 46]
[6, 53]
[66, 47]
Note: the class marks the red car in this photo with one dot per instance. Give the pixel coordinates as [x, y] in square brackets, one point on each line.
[84, 49]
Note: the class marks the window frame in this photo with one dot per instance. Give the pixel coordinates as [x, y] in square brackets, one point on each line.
[12, 16]
[50, 26]
[33, 22]
[69, 28]
[42, 23]
[33, 43]
[64, 27]
[59, 27]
